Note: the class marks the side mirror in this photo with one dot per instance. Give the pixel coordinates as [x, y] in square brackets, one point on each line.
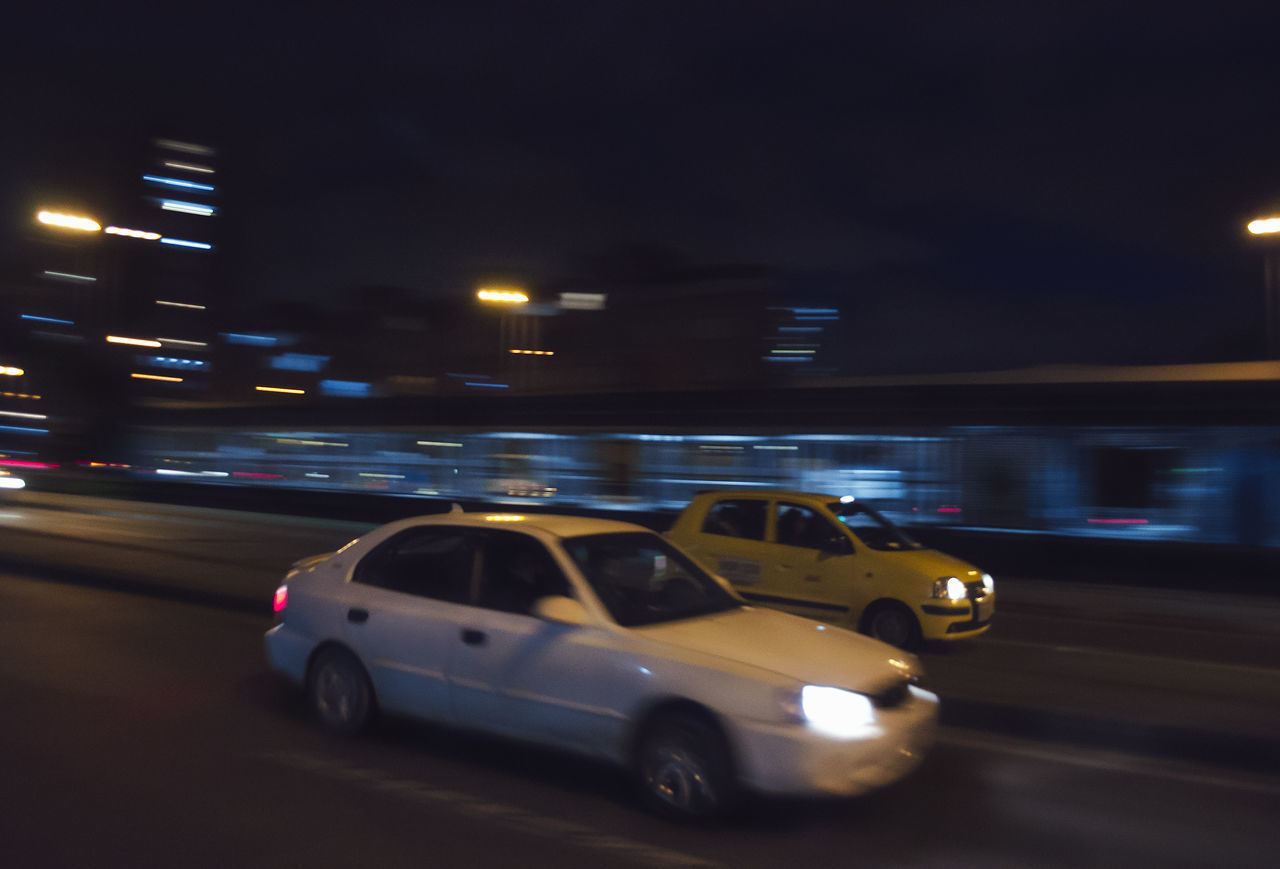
[560, 609]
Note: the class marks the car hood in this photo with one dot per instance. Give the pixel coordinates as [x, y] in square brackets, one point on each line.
[934, 563]
[799, 648]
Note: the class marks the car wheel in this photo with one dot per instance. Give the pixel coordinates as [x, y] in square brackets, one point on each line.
[893, 624]
[339, 692]
[684, 767]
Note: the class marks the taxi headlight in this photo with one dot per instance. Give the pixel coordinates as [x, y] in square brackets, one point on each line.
[949, 588]
[835, 711]
[988, 584]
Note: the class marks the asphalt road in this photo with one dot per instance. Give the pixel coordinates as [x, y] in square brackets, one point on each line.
[143, 732]
[139, 728]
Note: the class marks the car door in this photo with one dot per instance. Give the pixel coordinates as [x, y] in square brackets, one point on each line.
[406, 605]
[731, 541]
[810, 564]
[516, 674]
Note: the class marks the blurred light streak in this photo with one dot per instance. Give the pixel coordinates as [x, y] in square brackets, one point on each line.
[490, 385]
[318, 476]
[20, 395]
[185, 147]
[23, 415]
[254, 340]
[137, 342]
[23, 429]
[437, 444]
[509, 295]
[177, 182]
[36, 319]
[181, 242]
[174, 362]
[787, 358]
[383, 476]
[949, 510]
[11, 370]
[183, 342]
[771, 447]
[189, 167]
[146, 235]
[281, 389]
[306, 443]
[347, 388]
[582, 301]
[1264, 225]
[7, 482]
[187, 207]
[180, 305]
[18, 463]
[68, 221]
[1117, 521]
[67, 276]
[256, 476]
[534, 352]
[163, 377]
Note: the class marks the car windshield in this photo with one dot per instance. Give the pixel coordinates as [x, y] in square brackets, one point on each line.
[642, 579]
[872, 529]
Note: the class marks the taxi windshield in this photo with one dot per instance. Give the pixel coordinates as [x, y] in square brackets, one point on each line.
[642, 579]
[872, 529]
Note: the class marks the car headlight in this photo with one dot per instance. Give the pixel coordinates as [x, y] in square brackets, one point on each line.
[835, 711]
[988, 584]
[949, 588]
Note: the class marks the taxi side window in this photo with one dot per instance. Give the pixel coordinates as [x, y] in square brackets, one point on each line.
[736, 518]
[800, 526]
[426, 562]
[516, 571]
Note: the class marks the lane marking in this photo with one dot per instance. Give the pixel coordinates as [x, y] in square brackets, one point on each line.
[509, 816]
[1163, 660]
[1086, 758]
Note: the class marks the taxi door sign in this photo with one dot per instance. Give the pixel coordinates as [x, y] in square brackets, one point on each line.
[740, 571]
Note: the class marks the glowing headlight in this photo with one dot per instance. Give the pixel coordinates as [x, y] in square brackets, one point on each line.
[949, 587]
[835, 711]
[988, 584]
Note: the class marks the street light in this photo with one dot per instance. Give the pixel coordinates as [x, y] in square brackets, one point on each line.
[68, 221]
[1268, 227]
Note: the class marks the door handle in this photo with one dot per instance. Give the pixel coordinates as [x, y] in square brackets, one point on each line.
[472, 637]
[357, 615]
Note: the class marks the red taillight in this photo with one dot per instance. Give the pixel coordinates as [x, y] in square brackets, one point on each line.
[281, 599]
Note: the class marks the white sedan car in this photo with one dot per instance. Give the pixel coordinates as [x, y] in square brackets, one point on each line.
[602, 638]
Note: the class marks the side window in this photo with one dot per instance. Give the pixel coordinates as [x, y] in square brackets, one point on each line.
[427, 562]
[516, 571]
[744, 518]
[800, 526]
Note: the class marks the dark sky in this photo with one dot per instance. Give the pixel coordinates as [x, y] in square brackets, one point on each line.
[1086, 167]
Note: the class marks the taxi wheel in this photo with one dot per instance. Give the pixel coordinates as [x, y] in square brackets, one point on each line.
[684, 768]
[894, 624]
[339, 692]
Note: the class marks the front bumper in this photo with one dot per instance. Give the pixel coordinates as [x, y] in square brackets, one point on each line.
[956, 620]
[792, 759]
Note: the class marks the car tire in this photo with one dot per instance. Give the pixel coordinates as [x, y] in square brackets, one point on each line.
[339, 692]
[894, 624]
[684, 767]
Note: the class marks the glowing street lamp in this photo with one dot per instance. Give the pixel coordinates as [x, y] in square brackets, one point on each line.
[1269, 227]
[68, 221]
[502, 295]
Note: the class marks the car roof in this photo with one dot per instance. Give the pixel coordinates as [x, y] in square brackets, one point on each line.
[559, 525]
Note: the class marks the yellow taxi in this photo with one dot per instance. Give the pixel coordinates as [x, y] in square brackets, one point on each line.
[836, 559]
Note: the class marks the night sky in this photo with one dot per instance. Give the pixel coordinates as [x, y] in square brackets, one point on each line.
[987, 183]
